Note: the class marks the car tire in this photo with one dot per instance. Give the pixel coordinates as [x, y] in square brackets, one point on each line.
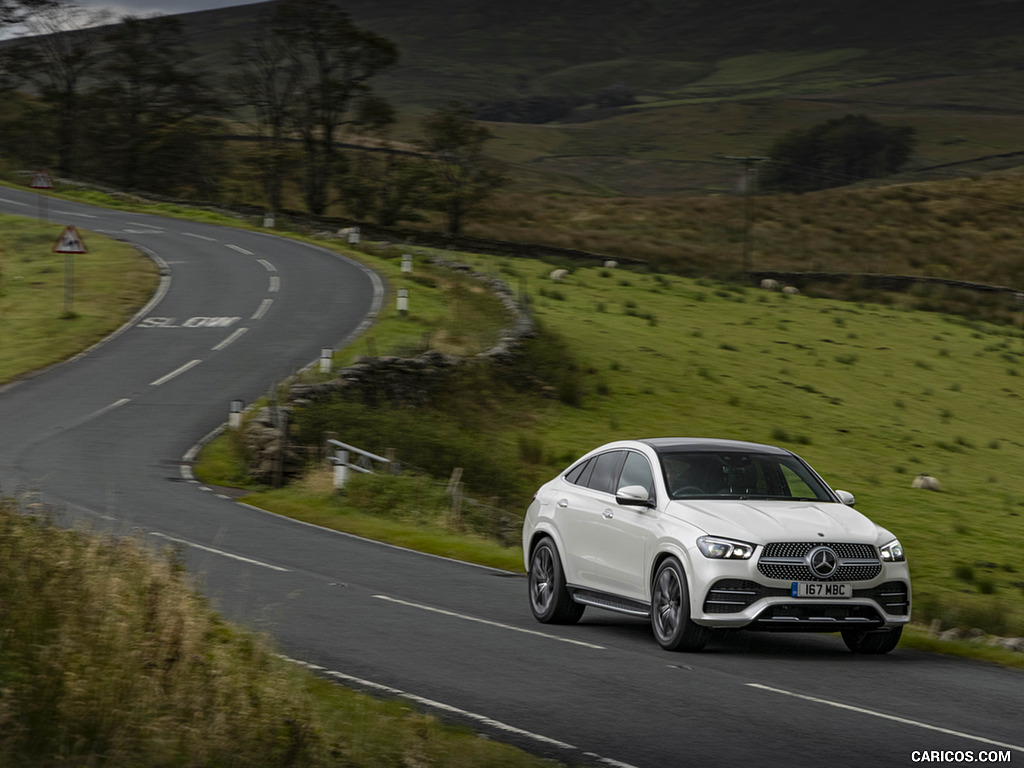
[871, 641]
[670, 610]
[550, 601]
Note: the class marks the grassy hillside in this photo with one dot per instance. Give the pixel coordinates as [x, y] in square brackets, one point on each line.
[709, 79]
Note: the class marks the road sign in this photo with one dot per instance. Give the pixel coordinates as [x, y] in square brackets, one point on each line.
[41, 180]
[70, 242]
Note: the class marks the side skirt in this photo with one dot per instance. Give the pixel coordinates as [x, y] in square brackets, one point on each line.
[610, 602]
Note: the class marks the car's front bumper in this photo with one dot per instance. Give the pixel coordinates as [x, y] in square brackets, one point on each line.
[735, 594]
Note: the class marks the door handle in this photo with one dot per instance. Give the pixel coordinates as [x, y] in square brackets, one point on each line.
[608, 514]
[563, 503]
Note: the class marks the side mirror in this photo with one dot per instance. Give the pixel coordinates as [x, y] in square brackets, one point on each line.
[634, 496]
[846, 497]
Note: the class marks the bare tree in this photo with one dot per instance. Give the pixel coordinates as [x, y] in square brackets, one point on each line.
[151, 109]
[462, 176]
[267, 77]
[337, 60]
[63, 47]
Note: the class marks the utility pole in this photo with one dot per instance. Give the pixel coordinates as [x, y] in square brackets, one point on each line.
[749, 184]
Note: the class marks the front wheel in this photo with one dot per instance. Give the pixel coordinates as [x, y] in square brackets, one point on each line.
[550, 601]
[871, 641]
[670, 610]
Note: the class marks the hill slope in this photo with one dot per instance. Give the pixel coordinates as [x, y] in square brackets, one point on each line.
[701, 79]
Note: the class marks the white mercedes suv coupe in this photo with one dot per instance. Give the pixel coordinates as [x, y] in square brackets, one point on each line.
[699, 534]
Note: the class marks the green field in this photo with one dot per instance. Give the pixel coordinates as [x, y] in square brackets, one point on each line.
[41, 322]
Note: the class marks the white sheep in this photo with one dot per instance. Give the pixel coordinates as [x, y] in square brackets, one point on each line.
[558, 274]
[610, 264]
[769, 284]
[925, 482]
[791, 290]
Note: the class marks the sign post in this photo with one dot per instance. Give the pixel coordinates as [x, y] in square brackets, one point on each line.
[41, 179]
[69, 243]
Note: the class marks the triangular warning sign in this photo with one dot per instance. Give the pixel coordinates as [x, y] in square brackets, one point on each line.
[70, 242]
[41, 180]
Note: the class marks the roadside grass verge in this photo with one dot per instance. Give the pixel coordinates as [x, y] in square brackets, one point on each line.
[110, 656]
[37, 326]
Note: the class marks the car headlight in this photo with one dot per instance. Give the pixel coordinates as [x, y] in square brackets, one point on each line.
[724, 549]
[892, 552]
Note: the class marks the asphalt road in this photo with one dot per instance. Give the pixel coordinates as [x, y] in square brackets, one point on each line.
[103, 436]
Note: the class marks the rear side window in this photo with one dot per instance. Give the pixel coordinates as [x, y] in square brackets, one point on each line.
[574, 474]
[606, 471]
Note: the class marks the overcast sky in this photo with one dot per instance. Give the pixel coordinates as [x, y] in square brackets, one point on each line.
[149, 7]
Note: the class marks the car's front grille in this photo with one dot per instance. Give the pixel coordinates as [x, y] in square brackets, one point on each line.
[788, 561]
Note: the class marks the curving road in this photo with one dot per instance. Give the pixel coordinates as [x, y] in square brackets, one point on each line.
[103, 436]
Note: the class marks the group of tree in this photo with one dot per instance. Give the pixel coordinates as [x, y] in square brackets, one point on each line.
[837, 152]
[123, 102]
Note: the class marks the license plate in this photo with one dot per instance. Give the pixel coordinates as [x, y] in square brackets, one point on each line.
[821, 589]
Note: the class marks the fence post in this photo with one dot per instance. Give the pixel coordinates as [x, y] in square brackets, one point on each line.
[454, 491]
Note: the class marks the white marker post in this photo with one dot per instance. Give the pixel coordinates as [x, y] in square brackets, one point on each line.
[235, 414]
[353, 236]
[326, 359]
[403, 301]
[341, 470]
[407, 262]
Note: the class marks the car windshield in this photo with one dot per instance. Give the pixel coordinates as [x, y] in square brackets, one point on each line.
[723, 474]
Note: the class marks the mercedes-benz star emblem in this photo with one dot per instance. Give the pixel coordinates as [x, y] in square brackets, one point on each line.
[823, 562]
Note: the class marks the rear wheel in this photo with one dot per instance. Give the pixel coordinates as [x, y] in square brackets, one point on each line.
[670, 610]
[550, 601]
[871, 641]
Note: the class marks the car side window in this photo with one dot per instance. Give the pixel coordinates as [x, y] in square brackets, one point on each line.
[606, 471]
[637, 471]
[574, 474]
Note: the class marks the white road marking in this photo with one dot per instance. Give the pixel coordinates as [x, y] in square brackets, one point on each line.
[200, 237]
[172, 374]
[111, 407]
[240, 249]
[146, 224]
[220, 552]
[233, 337]
[13, 202]
[267, 265]
[448, 708]
[275, 285]
[894, 718]
[264, 306]
[490, 623]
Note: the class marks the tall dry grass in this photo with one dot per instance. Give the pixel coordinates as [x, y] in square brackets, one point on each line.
[108, 657]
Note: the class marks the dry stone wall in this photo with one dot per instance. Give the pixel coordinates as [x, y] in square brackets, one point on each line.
[404, 381]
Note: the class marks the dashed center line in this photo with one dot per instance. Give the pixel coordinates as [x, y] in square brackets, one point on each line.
[267, 265]
[164, 379]
[233, 337]
[240, 249]
[275, 284]
[264, 306]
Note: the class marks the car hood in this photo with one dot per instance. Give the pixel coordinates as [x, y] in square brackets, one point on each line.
[758, 521]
